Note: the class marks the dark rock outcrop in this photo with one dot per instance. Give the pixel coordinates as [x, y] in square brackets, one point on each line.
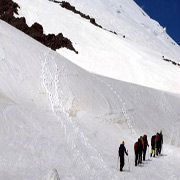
[69, 7]
[7, 10]
[20, 23]
[171, 61]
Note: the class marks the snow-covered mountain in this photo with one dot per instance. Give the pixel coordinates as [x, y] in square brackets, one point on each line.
[60, 121]
[137, 58]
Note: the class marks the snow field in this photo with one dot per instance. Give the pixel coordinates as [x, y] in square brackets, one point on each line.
[136, 59]
[56, 115]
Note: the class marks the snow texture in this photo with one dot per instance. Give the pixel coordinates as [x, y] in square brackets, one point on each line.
[137, 58]
[53, 175]
[59, 121]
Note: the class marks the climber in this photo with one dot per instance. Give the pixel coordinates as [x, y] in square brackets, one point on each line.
[122, 151]
[157, 143]
[140, 149]
[136, 151]
[153, 145]
[161, 141]
[145, 145]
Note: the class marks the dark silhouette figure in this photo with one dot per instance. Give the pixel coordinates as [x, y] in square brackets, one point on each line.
[140, 145]
[153, 145]
[161, 142]
[157, 144]
[122, 151]
[136, 151]
[145, 145]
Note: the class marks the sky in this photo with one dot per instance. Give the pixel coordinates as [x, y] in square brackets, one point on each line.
[166, 12]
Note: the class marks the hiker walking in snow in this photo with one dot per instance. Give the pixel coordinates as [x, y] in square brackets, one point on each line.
[153, 145]
[136, 151]
[161, 141]
[157, 144]
[145, 144]
[140, 149]
[122, 151]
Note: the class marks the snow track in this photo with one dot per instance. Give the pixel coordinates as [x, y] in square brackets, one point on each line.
[84, 155]
[129, 119]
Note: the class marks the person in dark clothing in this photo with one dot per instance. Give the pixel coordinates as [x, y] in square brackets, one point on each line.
[122, 151]
[157, 144]
[153, 145]
[140, 145]
[136, 151]
[161, 142]
[145, 144]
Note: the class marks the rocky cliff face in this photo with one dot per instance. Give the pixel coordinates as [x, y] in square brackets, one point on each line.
[8, 9]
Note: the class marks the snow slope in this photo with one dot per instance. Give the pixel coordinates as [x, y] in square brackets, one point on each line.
[55, 115]
[137, 58]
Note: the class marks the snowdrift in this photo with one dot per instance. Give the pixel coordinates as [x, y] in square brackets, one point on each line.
[55, 115]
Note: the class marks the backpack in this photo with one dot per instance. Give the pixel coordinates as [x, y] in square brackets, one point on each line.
[145, 142]
[158, 138]
[136, 146]
[153, 140]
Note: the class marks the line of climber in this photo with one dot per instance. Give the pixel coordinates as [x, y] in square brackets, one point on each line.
[140, 149]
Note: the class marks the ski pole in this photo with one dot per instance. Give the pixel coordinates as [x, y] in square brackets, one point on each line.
[148, 154]
[118, 162]
[162, 149]
[128, 164]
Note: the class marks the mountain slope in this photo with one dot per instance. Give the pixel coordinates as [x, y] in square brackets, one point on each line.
[137, 58]
[57, 115]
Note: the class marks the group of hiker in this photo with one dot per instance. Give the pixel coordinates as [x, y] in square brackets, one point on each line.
[140, 148]
[156, 144]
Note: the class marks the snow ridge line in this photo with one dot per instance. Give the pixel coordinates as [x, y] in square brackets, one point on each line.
[129, 120]
[84, 154]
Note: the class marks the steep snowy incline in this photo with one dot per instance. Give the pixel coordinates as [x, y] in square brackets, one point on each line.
[31, 139]
[126, 18]
[55, 115]
[105, 53]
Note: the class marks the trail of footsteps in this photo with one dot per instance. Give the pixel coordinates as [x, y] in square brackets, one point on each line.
[85, 156]
[129, 120]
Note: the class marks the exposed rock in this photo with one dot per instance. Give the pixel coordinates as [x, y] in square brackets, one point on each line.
[69, 7]
[169, 60]
[7, 10]
[20, 23]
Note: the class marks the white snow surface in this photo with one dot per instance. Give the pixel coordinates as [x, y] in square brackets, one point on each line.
[53, 175]
[59, 121]
[137, 58]
[63, 121]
